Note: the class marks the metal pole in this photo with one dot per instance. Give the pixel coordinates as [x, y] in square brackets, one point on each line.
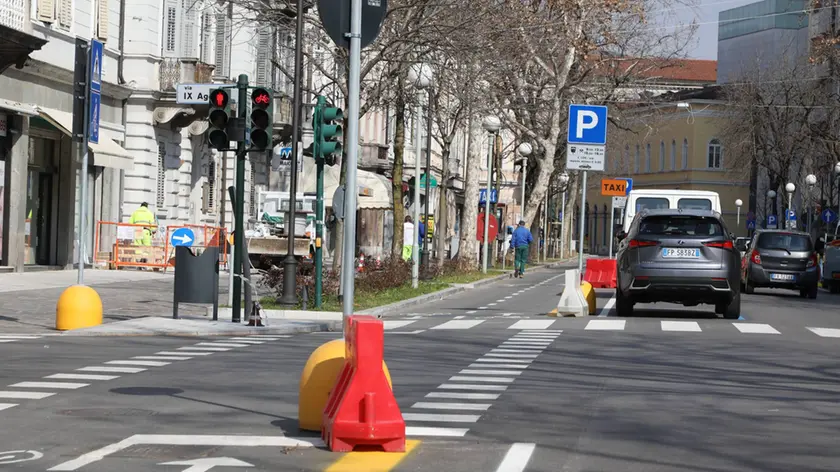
[425, 254]
[739, 217]
[239, 205]
[83, 175]
[415, 247]
[290, 263]
[582, 223]
[545, 230]
[787, 213]
[612, 225]
[563, 225]
[352, 142]
[484, 246]
[522, 201]
[319, 215]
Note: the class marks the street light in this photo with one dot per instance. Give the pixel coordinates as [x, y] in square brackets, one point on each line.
[492, 125]
[739, 203]
[564, 184]
[420, 75]
[810, 181]
[789, 188]
[771, 194]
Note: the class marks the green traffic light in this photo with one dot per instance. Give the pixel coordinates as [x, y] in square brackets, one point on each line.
[218, 139]
[332, 114]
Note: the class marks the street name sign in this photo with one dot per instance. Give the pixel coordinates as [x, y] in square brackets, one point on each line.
[194, 94]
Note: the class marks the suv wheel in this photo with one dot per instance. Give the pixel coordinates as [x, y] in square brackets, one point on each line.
[623, 305]
[748, 287]
[812, 292]
[733, 309]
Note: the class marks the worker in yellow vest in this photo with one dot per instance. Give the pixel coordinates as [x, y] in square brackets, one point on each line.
[143, 216]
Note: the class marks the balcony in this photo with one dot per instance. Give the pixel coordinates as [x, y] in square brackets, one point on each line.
[15, 41]
[174, 71]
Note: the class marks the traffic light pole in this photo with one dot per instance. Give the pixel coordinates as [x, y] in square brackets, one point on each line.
[239, 204]
[319, 206]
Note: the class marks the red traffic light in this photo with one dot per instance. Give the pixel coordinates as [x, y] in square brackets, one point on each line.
[261, 98]
[219, 98]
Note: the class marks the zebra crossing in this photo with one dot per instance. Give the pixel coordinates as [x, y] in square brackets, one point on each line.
[610, 324]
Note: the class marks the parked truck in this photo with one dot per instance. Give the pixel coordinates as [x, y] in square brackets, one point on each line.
[267, 237]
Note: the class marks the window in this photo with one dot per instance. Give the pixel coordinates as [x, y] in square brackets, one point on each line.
[694, 204]
[681, 225]
[647, 157]
[102, 14]
[685, 154]
[161, 176]
[189, 20]
[661, 156]
[65, 14]
[785, 241]
[651, 203]
[170, 28]
[264, 54]
[715, 154]
[46, 12]
[206, 38]
[222, 46]
[673, 154]
[638, 160]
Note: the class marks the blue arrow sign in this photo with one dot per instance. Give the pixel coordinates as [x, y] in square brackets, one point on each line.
[182, 237]
[828, 216]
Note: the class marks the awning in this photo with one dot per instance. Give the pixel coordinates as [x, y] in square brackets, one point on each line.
[106, 153]
[374, 189]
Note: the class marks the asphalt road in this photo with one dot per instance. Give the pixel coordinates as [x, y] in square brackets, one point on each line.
[482, 388]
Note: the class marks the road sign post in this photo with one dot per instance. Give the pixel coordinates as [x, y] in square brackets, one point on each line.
[586, 142]
[617, 189]
[239, 205]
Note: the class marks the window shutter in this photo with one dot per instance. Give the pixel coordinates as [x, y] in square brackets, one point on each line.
[206, 38]
[222, 49]
[65, 14]
[263, 56]
[188, 29]
[170, 28]
[46, 11]
[161, 176]
[102, 21]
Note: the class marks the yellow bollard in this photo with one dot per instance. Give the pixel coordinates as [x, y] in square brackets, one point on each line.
[79, 306]
[589, 294]
[317, 381]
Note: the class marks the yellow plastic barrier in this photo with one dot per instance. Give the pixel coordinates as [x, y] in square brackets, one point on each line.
[79, 306]
[589, 294]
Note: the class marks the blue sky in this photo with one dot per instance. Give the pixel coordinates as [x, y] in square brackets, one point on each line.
[705, 13]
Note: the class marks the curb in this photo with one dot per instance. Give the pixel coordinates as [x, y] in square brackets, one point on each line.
[242, 331]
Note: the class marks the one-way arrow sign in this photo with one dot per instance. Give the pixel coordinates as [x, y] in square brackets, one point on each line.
[203, 465]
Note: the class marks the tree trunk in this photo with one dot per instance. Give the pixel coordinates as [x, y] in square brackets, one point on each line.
[536, 224]
[535, 197]
[397, 174]
[469, 245]
[443, 232]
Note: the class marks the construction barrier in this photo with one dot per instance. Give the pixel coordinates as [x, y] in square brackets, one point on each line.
[600, 273]
[121, 245]
[572, 301]
[362, 410]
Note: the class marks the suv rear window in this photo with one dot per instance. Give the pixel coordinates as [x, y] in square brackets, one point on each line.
[789, 241]
[650, 203]
[680, 225]
[694, 204]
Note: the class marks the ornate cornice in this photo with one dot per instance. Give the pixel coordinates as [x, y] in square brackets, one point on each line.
[65, 77]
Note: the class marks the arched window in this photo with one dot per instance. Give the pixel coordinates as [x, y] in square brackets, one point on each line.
[685, 154]
[638, 160]
[647, 157]
[661, 156]
[715, 155]
[673, 154]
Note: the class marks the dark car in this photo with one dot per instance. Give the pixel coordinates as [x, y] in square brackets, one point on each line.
[678, 256]
[781, 259]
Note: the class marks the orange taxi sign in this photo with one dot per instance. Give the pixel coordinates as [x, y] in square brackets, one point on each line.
[613, 187]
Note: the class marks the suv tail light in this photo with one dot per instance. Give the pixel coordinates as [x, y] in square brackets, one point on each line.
[812, 261]
[755, 257]
[720, 244]
[640, 243]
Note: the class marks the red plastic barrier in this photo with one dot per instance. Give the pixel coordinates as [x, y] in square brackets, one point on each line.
[362, 410]
[600, 273]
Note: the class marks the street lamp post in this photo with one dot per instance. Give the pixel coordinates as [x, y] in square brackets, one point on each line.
[492, 125]
[525, 150]
[789, 188]
[420, 75]
[564, 184]
[811, 182]
[738, 204]
[771, 194]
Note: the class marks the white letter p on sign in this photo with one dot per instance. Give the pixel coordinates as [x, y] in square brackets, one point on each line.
[583, 123]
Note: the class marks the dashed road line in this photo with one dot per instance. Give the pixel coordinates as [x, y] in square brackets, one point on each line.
[81, 377]
[50, 385]
[23, 395]
[116, 370]
[517, 457]
[755, 328]
[143, 363]
[452, 406]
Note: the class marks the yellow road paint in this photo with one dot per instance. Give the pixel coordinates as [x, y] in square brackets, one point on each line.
[372, 461]
[553, 312]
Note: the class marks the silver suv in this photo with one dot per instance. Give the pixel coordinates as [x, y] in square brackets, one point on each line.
[678, 256]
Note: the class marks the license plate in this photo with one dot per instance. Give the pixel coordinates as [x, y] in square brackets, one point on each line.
[680, 253]
[781, 276]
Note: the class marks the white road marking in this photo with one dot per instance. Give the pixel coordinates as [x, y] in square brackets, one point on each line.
[452, 406]
[26, 395]
[606, 325]
[516, 347]
[7, 340]
[495, 388]
[6, 406]
[462, 378]
[511, 356]
[270, 336]
[56, 385]
[416, 331]
[756, 328]
[490, 372]
[245, 341]
[441, 418]
[394, 324]
[508, 297]
[529, 342]
[116, 370]
[162, 358]
[531, 324]
[514, 351]
[461, 317]
[492, 304]
[470, 312]
[607, 308]
[687, 326]
[463, 396]
[439, 432]
[222, 344]
[497, 366]
[826, 332]
[458, 324]
[482, 308]
[516, 361]
[531, 337]
[184, 440]
[18, 336]
[182, 353]
[81, 377]
[542, 331]
[144, 363]
[213, 349]
[517, 457]
[246, 338]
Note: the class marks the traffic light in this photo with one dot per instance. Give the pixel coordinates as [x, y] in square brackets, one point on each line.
[219, 116]
[328, 134]
[262, 118]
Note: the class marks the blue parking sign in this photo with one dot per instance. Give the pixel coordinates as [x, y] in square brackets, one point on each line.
[587, 124]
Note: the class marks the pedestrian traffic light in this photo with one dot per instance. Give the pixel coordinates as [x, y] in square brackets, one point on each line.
[262, 118]
[328, 134]
[219, 116]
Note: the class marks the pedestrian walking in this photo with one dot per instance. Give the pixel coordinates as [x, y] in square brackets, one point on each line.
[520, 241]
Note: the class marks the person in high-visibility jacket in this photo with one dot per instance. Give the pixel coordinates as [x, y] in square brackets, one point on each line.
[143, 216]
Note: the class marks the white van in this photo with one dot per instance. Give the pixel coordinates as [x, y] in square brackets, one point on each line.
[642, 199]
